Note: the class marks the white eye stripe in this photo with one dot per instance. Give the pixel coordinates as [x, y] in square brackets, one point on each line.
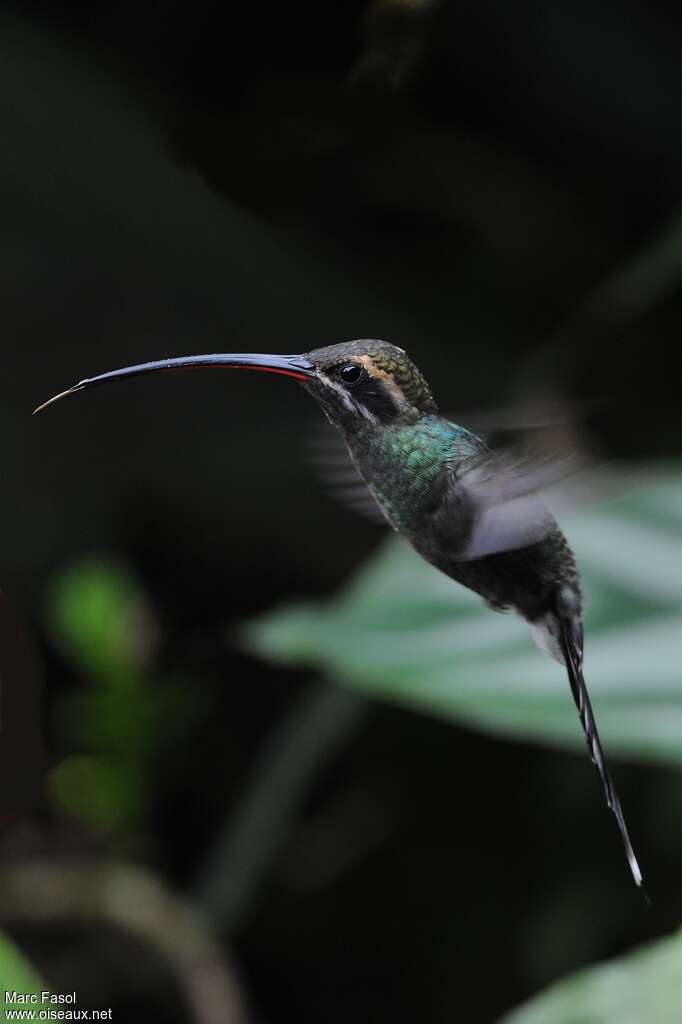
[366, 412]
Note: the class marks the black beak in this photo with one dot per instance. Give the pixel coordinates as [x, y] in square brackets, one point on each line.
[297, 367]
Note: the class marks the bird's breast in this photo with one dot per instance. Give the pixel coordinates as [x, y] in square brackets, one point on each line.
[407, 488]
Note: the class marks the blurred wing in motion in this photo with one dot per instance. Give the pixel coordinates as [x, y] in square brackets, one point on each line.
[503, 489]
[534, 449]
[503, 495]
[541, 426]
[339, 477]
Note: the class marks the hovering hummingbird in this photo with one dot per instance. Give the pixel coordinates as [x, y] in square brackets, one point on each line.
[474, 515]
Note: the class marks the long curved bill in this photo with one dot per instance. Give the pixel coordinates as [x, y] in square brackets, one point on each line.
[297, 367]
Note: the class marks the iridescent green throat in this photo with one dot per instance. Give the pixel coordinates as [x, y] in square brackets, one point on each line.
[407, 465]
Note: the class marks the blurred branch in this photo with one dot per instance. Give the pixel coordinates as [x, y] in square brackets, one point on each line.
[648, 280]
[287, 765]
[119, 896]
[651, 277]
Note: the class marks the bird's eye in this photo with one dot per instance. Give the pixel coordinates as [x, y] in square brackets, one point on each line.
[351, 374]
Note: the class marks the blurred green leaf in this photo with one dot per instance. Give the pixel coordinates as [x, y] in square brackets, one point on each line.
[103, 791]
[112, 731]
[642, 986]
[113, 720]
[100, 618]
[403, 632]
[16, 974]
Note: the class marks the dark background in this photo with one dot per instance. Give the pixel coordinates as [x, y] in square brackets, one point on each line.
[493, 186]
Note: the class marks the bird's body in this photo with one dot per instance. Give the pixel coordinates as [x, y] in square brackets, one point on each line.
[427, 475]
[473, 515]
[415, 474]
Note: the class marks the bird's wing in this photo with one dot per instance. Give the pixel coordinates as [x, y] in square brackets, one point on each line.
[502, 496]
[570, 638]
[500, 492]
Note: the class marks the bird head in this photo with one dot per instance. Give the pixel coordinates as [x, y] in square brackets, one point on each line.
[368, 382]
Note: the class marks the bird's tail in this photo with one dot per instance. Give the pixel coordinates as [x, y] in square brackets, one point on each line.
[571, 640]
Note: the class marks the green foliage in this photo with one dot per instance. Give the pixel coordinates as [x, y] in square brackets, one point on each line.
[642, 986]
[104, 791]
[401, 631]
[115, 725]
[16, 974]
[101, 619]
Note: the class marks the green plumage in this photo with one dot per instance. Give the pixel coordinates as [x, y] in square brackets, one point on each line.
[407, 465]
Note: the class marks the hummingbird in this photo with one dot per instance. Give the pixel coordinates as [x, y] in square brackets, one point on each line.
[476, 516]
